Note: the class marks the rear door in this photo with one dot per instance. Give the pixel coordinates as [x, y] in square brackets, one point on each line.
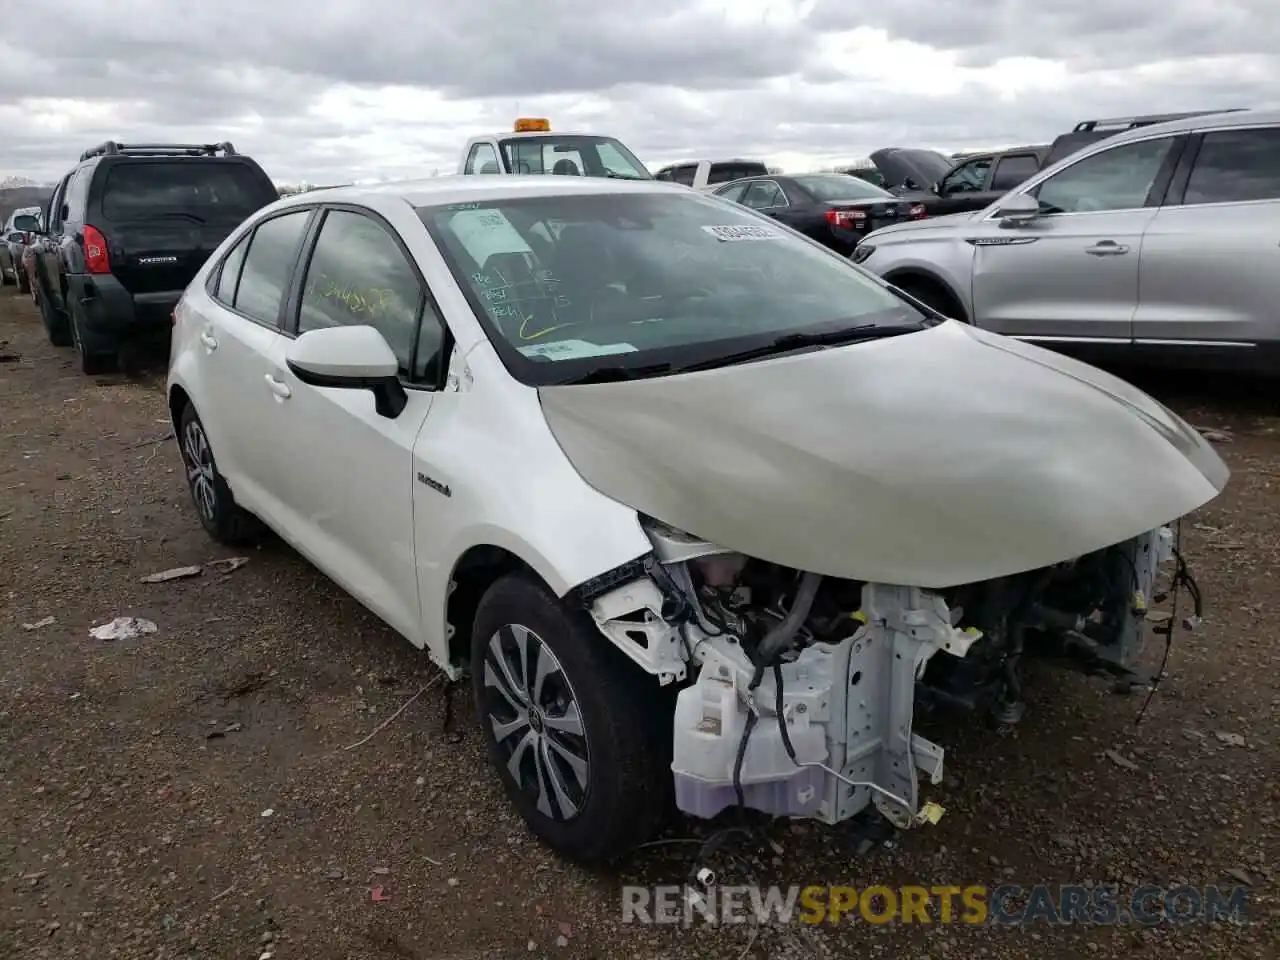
[238, 328]
[163, 216]
[1211, 256]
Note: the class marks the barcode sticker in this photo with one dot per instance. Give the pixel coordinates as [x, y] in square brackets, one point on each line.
[728, 234]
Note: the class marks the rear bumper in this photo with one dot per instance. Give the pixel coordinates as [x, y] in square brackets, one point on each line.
[109, 310]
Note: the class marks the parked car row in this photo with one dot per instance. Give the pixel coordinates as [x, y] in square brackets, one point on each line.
[971, 181]
[18, 231]
[1159, 242]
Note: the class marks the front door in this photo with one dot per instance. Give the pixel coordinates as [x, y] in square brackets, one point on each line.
[1072, 272]
[345, 473]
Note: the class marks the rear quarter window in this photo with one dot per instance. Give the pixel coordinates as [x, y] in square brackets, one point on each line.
[199, 190]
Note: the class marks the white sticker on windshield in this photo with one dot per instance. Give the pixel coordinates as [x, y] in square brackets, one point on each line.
[485, 233]
[743, 232]
[575, 349]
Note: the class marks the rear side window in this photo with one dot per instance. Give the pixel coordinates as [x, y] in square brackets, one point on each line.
[1013, 170]
[197, 189]
[724, 172]
[868, 175]
[229, 276]
[733, 192]
[273, 253]
[77, 194]
[685, 174]
[1235, 166]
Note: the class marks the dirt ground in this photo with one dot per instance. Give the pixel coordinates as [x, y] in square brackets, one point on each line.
[191, 793]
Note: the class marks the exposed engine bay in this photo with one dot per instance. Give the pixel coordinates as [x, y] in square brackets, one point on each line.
[801, 691]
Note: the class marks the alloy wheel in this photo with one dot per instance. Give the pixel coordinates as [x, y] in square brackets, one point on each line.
[198, 458]
[536, 722]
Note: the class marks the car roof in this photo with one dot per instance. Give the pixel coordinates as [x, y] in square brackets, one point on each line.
[1208, 121]
[465, 188]
[683, 163]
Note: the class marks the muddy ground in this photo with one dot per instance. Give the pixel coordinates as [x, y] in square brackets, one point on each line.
[198, 792]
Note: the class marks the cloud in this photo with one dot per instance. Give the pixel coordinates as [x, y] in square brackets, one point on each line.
[379, 88]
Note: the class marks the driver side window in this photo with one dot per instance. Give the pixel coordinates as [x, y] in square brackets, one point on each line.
[1116, 179]
[967, 179]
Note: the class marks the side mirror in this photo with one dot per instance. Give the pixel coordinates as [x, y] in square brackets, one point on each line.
[936, 188]
[1018, 208]
[350, 358]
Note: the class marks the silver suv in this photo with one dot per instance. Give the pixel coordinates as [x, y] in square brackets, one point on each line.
[1162, 242]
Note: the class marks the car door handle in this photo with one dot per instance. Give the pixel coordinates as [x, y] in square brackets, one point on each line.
[279, 387]
[208, 340]
[1106, 248]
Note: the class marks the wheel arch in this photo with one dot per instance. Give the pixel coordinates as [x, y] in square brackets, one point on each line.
[178, 401]
[478, 568]
[905, 277]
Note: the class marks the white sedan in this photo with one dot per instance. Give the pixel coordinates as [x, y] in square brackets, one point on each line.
[703, 510]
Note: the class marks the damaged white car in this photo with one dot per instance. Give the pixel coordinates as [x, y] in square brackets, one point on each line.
[705, 512]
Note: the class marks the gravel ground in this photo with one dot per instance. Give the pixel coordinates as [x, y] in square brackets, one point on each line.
[188, 794]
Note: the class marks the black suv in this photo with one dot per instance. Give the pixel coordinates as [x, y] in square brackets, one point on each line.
[127, 229]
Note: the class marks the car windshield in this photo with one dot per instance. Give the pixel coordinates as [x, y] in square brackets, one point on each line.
[567, 284]
[578, 156]
[25, 221]
[841, 187]
[201, 190]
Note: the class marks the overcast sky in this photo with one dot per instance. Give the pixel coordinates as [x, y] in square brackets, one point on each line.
[392, 88]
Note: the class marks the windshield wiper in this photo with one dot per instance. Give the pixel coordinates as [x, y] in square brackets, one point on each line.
[620, 176]
[615, 372]
[796, 341]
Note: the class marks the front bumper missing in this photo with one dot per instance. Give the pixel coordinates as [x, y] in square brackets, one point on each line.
[848, 709]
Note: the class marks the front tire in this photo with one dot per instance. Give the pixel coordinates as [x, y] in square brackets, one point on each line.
[219, 514]
[580, 737]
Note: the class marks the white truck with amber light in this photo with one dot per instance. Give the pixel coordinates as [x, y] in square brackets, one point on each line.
[531, 148]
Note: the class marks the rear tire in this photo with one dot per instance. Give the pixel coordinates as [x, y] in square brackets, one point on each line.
[56, 325]
[581, 739]
[93, 358]
[220, 515]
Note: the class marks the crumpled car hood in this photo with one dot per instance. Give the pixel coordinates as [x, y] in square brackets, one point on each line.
[929, 459]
